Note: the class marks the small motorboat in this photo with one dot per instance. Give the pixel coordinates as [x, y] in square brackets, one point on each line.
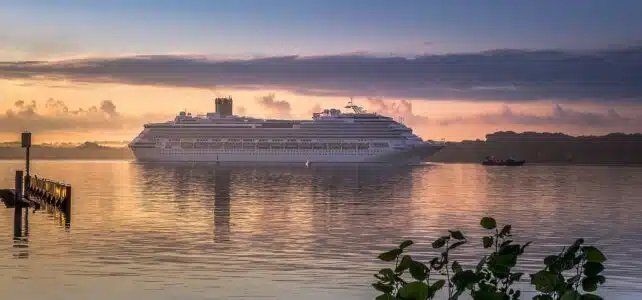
[491, 161]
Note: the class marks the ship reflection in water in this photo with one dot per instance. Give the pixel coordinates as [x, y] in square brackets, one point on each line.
[195, 231]
[265, 196]
[222, 186]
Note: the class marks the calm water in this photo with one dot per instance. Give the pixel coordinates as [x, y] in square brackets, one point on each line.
[183, 232]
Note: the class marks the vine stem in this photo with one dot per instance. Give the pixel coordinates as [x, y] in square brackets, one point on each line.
[450, 289]
[580, 269]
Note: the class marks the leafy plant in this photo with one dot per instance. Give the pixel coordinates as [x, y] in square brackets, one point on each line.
[392, 284]
[584, 262]
[494, 273]
[493, 277]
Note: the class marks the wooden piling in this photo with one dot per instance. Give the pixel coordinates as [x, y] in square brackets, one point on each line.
[18, 189]
[17, 221]
[68, 205]
[17, 201]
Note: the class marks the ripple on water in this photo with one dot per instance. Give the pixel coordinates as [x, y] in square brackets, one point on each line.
[172, 231]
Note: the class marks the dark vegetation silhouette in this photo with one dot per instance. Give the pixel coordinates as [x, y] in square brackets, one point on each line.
[571, 274]
[87, 150]
[614, 148]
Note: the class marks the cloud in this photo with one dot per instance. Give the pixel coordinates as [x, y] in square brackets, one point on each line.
[559, 116]
[506, 116]
[273, 107]
[399, 110]
[108, 107]
[316, 108]
[609, 75]
[240, 111]
[44, 45]
[58, 117]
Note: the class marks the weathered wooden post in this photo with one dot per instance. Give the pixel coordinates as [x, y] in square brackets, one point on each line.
[18, 188]
[17, 201]
[68, 204]
[26, 143]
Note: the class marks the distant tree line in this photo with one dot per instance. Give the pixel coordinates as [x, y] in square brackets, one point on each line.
[614, 148]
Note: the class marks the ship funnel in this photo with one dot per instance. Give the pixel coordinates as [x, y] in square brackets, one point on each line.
[224, 106]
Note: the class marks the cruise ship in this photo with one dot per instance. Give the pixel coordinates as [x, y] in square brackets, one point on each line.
[331, 136]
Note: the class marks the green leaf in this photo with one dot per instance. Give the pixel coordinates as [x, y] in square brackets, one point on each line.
[589, 284]
[437, 285]
[418, 270]
[488, 295]
[457, 267]
[465, 278]
[509, 249]
[438, 243]
[384, 288]
[516, 295]
[501, 264]
[568, 263]
[390, 255]
[405, 244]
[574, 279]
[545, 281]
[385, 297]
[434, 261]
[457, 294]
[388, 274]
[570, 295]
[601, 279]
[481, 263]
[404, 264]
[487, 241]
[593, 268]
[505, 231]
[516, 276]
[543, 297]
[521, 251]
[550, 260]
[457, 235]
[591, 297]
[415, 290]
[506, 243]
[593, 254]
[488, 223]
[455, 245]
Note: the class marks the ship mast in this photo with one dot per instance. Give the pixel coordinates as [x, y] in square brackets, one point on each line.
[357, 109]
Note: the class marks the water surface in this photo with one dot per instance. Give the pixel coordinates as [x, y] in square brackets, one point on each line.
[145, 231]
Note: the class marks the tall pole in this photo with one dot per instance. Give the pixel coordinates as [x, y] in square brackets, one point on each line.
[26, 143]
[27, 163]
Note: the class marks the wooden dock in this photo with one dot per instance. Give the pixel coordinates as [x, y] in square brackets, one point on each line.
[48, 192]
[38, 192]
[35, 192]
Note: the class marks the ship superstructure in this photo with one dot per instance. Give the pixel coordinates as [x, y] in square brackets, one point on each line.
[331, 136]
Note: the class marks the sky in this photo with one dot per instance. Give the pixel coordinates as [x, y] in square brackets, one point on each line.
[98, 70]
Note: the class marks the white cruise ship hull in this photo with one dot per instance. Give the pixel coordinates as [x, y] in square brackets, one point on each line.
[391, 156]
[330, 137]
